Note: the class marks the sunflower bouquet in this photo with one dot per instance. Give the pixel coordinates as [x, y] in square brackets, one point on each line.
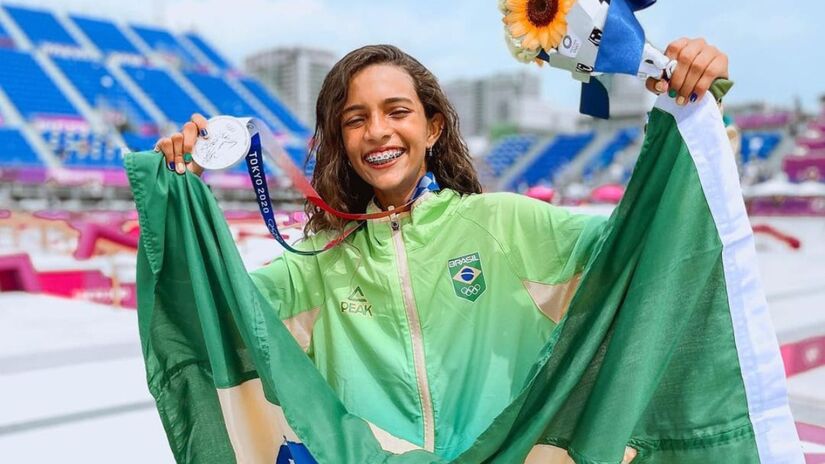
[590, 38]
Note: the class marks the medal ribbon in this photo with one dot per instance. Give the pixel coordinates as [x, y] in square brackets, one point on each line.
[262, 140]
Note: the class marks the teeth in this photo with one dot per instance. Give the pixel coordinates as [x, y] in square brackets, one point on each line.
[383, 157]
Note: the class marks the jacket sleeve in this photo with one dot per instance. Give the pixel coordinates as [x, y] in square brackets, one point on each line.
[294, 288]
[547, 244]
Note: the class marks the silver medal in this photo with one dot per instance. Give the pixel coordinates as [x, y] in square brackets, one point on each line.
[227, 143]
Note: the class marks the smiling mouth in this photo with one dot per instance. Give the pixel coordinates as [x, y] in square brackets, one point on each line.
[383, 157]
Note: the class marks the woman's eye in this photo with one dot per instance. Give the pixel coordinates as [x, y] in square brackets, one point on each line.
[353, 122]
[399, 113]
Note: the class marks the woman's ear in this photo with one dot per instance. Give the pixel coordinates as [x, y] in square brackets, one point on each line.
[434, 127]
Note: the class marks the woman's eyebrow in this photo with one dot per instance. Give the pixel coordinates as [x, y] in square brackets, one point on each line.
[387, 101]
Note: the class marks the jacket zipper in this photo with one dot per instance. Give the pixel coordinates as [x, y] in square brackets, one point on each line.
[415, 333]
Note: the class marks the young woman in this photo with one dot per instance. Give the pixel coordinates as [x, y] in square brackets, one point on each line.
[426, 322]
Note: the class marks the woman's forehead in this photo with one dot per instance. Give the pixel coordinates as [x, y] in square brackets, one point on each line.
[380, 83]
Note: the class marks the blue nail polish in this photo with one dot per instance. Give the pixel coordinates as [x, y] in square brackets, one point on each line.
[693, 97]
[171, 165]
[204, 133]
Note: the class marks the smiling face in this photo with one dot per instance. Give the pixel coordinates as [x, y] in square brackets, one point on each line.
[386, 132]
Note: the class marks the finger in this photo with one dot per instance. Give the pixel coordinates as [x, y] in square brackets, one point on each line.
[657, 86]
[177, 144]
[190, 134]
[716, 69]
[629, 455]
[675, 47]
[201, 123]
[685, 61]
[696, 71]
[165, 147]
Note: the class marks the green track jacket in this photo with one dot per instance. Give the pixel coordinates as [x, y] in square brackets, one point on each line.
[427, 323]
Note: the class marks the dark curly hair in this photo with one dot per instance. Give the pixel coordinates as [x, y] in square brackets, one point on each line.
[335, 180]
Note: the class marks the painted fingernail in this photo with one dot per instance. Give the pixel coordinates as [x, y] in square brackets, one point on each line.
[693, 97]
[180, 168]
[681, 100]
[187, 157]
[171, 165]
[672, 93]
[660, 86]
[204, 133]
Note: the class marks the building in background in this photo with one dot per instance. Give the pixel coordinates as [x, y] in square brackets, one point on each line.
[506, 102]
[295, 74]
[513, 102]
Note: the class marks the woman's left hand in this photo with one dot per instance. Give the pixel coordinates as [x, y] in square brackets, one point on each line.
[698, 65]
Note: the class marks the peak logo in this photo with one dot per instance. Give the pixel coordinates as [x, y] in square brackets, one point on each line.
[467, 276]
[356, 303]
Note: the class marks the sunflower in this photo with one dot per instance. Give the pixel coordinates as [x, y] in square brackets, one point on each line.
[537, 23]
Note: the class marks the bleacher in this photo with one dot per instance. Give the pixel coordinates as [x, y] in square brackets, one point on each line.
[508, 150]
[41, 27]
[83, 149]
[208, 51]
[220, 94]
[289, 123]
[106, 36]
[5, 39]
[556, 154]
[103, 91]
[163, 42]
[759, 145]
[175, 103]
[16, 150]
[30, 89]
[623, 139]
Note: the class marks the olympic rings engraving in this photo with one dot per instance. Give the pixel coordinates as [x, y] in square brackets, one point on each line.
[471, 290]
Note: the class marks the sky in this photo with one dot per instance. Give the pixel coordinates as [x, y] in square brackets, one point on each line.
[774, 50]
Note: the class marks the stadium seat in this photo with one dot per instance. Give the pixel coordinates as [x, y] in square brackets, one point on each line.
[83, 150]
[220, 94]
[759, 145]
[508, 151]
[5, 39]
[288, 121]
[16, 151]
[105, 35]
[175, 102]
[623, 139]
[102, 91]
[207, 50]
[558, 153]
[30, 89]
[40, 26]
[164, 42]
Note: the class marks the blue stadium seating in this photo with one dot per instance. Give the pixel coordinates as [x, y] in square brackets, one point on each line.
[210, 52]
[175, 103]
[30, 89]
[558, 153]
[105, 35]
[83, 150]
[5, 39]
[623, 139]
[161, 40]
[40, 26]
[16, 151]
[221, 94]
[289, 122]
[759, 145]
[137, 142]
[508, 151]
[100, 88]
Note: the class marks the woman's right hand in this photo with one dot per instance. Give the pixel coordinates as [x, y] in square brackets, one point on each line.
[177, 148]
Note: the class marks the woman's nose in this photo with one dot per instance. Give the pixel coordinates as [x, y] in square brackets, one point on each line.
[377, 128]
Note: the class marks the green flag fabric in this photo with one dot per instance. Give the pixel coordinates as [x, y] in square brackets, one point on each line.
[667, 345]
